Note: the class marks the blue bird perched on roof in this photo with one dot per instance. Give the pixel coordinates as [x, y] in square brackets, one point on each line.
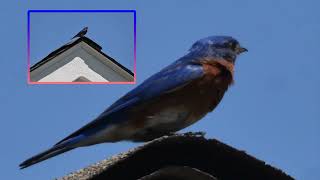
[170, 100]
[81, 33]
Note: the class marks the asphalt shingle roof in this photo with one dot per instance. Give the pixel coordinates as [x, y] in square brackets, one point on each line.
[207, 158]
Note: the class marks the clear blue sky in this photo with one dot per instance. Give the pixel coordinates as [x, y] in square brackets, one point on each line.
[272, 112]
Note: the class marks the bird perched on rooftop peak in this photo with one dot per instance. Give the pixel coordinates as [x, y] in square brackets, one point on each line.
[170, 100]
[81, 33]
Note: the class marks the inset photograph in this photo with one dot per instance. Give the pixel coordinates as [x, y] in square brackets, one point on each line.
[81, 47]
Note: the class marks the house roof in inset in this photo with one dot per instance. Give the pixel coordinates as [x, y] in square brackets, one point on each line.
[72, 43]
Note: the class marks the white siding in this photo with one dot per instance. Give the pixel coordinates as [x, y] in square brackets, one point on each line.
[80, 61]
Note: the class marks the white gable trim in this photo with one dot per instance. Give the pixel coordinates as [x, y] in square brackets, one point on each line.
[73, 70]
[80, 60]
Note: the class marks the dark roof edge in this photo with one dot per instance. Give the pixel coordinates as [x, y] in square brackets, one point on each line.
[188, 149]
[117, 63]
[72, 43]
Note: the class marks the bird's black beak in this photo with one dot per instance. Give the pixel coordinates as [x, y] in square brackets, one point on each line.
[241, 50]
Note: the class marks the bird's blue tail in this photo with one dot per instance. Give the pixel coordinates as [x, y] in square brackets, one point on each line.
[57, 149]
[43, 156]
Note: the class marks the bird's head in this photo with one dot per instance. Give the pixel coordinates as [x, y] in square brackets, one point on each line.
[224, 47]
[85, 29]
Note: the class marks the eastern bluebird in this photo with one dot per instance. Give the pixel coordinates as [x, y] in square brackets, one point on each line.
[81, 33]
[170, 100]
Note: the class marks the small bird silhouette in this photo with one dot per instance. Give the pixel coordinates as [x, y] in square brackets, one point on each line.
[81, 33]
[170, 100]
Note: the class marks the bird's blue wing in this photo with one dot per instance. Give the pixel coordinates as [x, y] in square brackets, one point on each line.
[167, 80]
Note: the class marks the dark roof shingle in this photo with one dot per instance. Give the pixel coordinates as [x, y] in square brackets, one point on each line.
[187, 150]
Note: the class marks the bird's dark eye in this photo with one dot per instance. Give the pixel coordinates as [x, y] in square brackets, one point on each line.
[231, 44]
